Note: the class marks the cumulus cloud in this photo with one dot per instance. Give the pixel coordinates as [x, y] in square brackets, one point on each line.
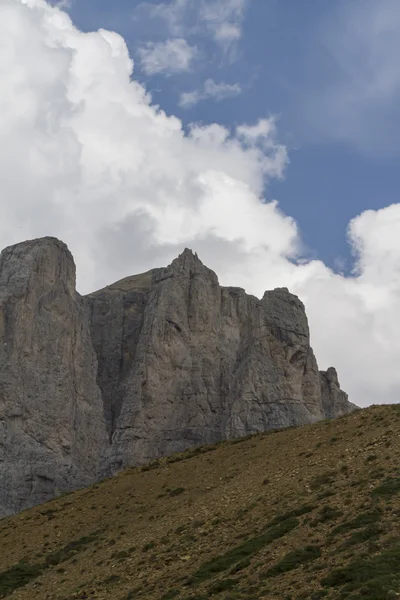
[211, 90]
[171, 56]
[86, 156]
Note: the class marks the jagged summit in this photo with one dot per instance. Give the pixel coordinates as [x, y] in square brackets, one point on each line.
[188, 254]
[189, 263]
[153, 364]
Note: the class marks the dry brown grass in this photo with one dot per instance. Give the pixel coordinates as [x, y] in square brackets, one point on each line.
[271, 516]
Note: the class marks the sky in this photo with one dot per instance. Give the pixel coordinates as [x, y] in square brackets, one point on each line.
[262, 135]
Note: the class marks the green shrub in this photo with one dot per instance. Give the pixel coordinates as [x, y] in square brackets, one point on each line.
[148, 546]
[327, 513]
[296, 512]
[294, 559]
[17, 576]
[369, 533]
[389, 487]
[361, 520]
[243, 551]
[367, 578]
[324, 479]
[172, 593]
[221, 586]
[176, 491]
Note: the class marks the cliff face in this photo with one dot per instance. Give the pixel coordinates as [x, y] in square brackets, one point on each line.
[183, 361]
[51, 423]
[150, 365]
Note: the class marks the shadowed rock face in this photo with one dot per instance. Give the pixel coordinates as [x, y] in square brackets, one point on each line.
[51, 423]
[148, 366]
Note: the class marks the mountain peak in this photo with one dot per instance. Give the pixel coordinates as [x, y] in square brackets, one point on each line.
[157, 363]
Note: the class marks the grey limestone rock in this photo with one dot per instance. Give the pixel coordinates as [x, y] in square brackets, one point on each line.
[184, 361]
[335, 402]
[151, 365]
[51, 422]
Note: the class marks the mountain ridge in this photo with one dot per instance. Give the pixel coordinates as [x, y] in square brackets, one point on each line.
[153, 364]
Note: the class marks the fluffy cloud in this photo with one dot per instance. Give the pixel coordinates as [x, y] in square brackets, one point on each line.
[87, 157]
[211, 90]
[171, 56]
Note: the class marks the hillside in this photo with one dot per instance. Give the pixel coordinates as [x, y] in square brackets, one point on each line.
[302, 513]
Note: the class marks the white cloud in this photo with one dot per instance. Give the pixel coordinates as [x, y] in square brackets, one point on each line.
[62, 4]
[211, 90]
[188, 99]
[219, 19]
[224, 19]
[171, 56]
[221, 90]
[359, 97]
[173, 12]
[87, 157]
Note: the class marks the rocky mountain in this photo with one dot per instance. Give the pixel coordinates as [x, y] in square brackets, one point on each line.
[151, 365]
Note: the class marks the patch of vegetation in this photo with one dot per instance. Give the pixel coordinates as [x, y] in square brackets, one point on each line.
[389, 487]
[17, 576]
[326, 494]
[191, 453]
[22, 573]
[243, 564]
[324, 479]
[112, 579]
[176, 491]
[240, 439]
[327, 513]
[221, 586]
[372, 532]
[313, 595]
[172, 593]
[371, 458]
[69, 550]
[361, 520]
[367, 578]
[294, 559]
[180, 529]
[296, 512]
[148, 546]
[154, 464]
[49, 512]
[243, 551]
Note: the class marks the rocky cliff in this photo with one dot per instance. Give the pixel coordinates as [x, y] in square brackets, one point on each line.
[148, 366]
[51, 417]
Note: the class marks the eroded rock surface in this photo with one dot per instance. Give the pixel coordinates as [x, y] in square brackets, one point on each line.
[51, 419]
[184, 361]
[151, 365]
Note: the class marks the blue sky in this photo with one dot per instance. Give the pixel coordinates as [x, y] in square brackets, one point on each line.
[286, 62]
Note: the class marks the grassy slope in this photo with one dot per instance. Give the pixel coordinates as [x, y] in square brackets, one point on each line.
[304, 513]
